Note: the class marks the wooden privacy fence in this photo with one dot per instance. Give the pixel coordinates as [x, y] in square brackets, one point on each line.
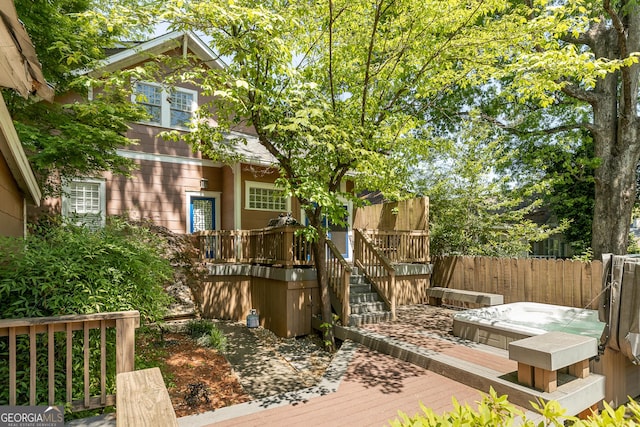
[412, 214]
[51, 339]
[561, 282]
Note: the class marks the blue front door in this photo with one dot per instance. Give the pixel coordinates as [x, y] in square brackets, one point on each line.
[202, 212]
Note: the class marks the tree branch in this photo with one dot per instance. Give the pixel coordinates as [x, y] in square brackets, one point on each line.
[581, 94]
[624, 53]
[365, 83]
[548, 131]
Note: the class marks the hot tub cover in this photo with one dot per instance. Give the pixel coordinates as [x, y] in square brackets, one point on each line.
[620, 304]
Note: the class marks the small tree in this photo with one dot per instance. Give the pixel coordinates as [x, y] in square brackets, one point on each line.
[476, 208]
[334, 90]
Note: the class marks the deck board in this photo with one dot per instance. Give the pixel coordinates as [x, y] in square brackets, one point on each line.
[373, 390]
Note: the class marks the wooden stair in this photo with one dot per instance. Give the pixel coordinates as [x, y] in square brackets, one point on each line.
[365, 303]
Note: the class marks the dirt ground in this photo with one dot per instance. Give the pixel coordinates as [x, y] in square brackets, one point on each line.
[201, 379]
[198, 379]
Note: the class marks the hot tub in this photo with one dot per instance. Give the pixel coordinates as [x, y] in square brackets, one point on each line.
[498, 325]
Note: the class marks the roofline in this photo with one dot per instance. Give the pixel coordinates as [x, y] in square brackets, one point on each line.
[160, 45]
[14, 154]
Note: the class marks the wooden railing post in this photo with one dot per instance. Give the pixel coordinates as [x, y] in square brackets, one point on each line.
[288, 246]
[346, 307]
[126, 343]
[392, 291]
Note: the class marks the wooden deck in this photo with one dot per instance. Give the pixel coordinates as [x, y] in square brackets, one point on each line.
[373, 390]
[376, 386]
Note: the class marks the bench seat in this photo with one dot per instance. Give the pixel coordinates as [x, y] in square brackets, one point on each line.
[437, 294]
[541, 356]
[142, 399]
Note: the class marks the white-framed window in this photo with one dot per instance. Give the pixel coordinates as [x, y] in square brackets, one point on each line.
[84, 200]
[172, 108]
[265, 197]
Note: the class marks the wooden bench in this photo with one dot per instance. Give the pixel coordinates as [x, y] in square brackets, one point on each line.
[540, 357]
[142, 400]
[437, 294]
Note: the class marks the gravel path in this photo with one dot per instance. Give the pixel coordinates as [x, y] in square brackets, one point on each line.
[268, 365]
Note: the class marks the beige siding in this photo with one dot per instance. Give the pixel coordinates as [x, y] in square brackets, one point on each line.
[11, 205]
[251, 218]
[157, 191]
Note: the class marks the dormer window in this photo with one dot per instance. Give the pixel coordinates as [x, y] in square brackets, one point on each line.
[171, 109]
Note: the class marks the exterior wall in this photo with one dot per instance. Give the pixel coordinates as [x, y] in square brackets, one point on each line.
[12, 205]
[224, 297]
[285, 307]
[251, 218]
[168, 170]
[228, 201]
[157, 191]
[412, 289]
[410, 214]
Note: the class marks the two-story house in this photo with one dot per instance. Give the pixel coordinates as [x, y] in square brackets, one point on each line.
[174, 186]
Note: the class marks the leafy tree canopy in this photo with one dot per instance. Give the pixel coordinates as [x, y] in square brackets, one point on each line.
[341, 89]
[78, 136]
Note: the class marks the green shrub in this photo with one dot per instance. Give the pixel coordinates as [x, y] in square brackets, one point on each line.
[496, 411]
[64, 269]
[73, 270]
[207, 334]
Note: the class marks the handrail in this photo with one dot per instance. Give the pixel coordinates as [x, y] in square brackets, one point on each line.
[377, 268]
[339, 276]
[124, 322]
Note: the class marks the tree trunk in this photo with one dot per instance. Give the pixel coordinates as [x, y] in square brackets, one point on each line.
[320, 257]
[614, 200]
[615, 133]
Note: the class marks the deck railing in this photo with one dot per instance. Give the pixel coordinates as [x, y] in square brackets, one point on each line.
[58, 333]
[271, 245]
[376, 267]
[401, 246]
[339, 276]
[224, 245]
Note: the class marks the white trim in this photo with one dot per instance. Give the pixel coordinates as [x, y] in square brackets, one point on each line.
[265, 185]
[165, 158]
[349, 205]
[237, 196]
[158, 45]
[217, 195]
[16, 159]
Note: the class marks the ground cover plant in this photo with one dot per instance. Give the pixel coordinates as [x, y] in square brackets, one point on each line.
[497, 411]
